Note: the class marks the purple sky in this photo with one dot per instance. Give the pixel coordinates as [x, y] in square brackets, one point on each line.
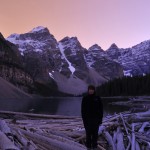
[124, 22]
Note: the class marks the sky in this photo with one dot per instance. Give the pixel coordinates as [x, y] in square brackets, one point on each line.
[102, 22]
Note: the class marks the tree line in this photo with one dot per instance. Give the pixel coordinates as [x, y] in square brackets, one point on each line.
[126, 86]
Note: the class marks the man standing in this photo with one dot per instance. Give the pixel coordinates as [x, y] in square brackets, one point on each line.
[92, 114]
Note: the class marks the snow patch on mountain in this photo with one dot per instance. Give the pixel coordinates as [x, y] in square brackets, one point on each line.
[37, 29]
[127, 73]
[61, 47]
[35, 45]
[51, 75]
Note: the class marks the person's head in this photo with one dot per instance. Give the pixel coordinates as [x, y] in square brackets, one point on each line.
[91, 89]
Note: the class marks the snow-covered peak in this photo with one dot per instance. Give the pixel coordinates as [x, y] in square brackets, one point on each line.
[70, 42]
[142, 44]
[36, 40]
[75, 39]
[137, 49]
[113, 46]
[70, 38]
[38, 29]
[14, 36]
[127, 73]
[95, 47]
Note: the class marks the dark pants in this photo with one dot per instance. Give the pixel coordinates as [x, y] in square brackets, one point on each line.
[91, 128]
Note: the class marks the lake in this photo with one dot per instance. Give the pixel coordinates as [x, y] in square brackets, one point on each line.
[70, 106]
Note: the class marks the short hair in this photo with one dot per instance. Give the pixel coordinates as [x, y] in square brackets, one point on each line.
[91, 87]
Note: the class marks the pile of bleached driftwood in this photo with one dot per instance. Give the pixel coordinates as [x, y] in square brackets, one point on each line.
[22, 131]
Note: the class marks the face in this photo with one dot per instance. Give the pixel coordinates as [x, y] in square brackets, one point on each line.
[91, 91]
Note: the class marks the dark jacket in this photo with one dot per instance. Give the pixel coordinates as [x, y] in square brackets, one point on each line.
[92, 109]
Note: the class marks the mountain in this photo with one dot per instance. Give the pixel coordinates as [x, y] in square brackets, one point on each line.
[82, 73]
[65, 65]
[40, 52]
[11, 66]
[134, 60]
[99, 60]
[113, 52]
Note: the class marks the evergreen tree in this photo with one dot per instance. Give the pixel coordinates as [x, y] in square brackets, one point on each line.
[126, 86]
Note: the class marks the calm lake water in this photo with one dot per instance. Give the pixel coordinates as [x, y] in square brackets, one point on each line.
[57, 105]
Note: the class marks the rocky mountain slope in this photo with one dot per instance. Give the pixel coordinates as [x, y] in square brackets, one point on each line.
[98, 59]
[9, 91]
[37, 57]
[65, 63]
[134, 60]
[11, 66]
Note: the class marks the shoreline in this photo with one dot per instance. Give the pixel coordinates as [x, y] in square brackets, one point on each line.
[51, 132]
[30, 131]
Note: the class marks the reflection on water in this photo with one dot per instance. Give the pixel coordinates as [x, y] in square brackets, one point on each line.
[57, 105]
[111, 109]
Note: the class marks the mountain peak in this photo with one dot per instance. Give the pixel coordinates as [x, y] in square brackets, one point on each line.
[75, 39]
[70, 41]
[14, 35]
[95, 47]
[113, 46]
[39, 29]
[36, 40]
